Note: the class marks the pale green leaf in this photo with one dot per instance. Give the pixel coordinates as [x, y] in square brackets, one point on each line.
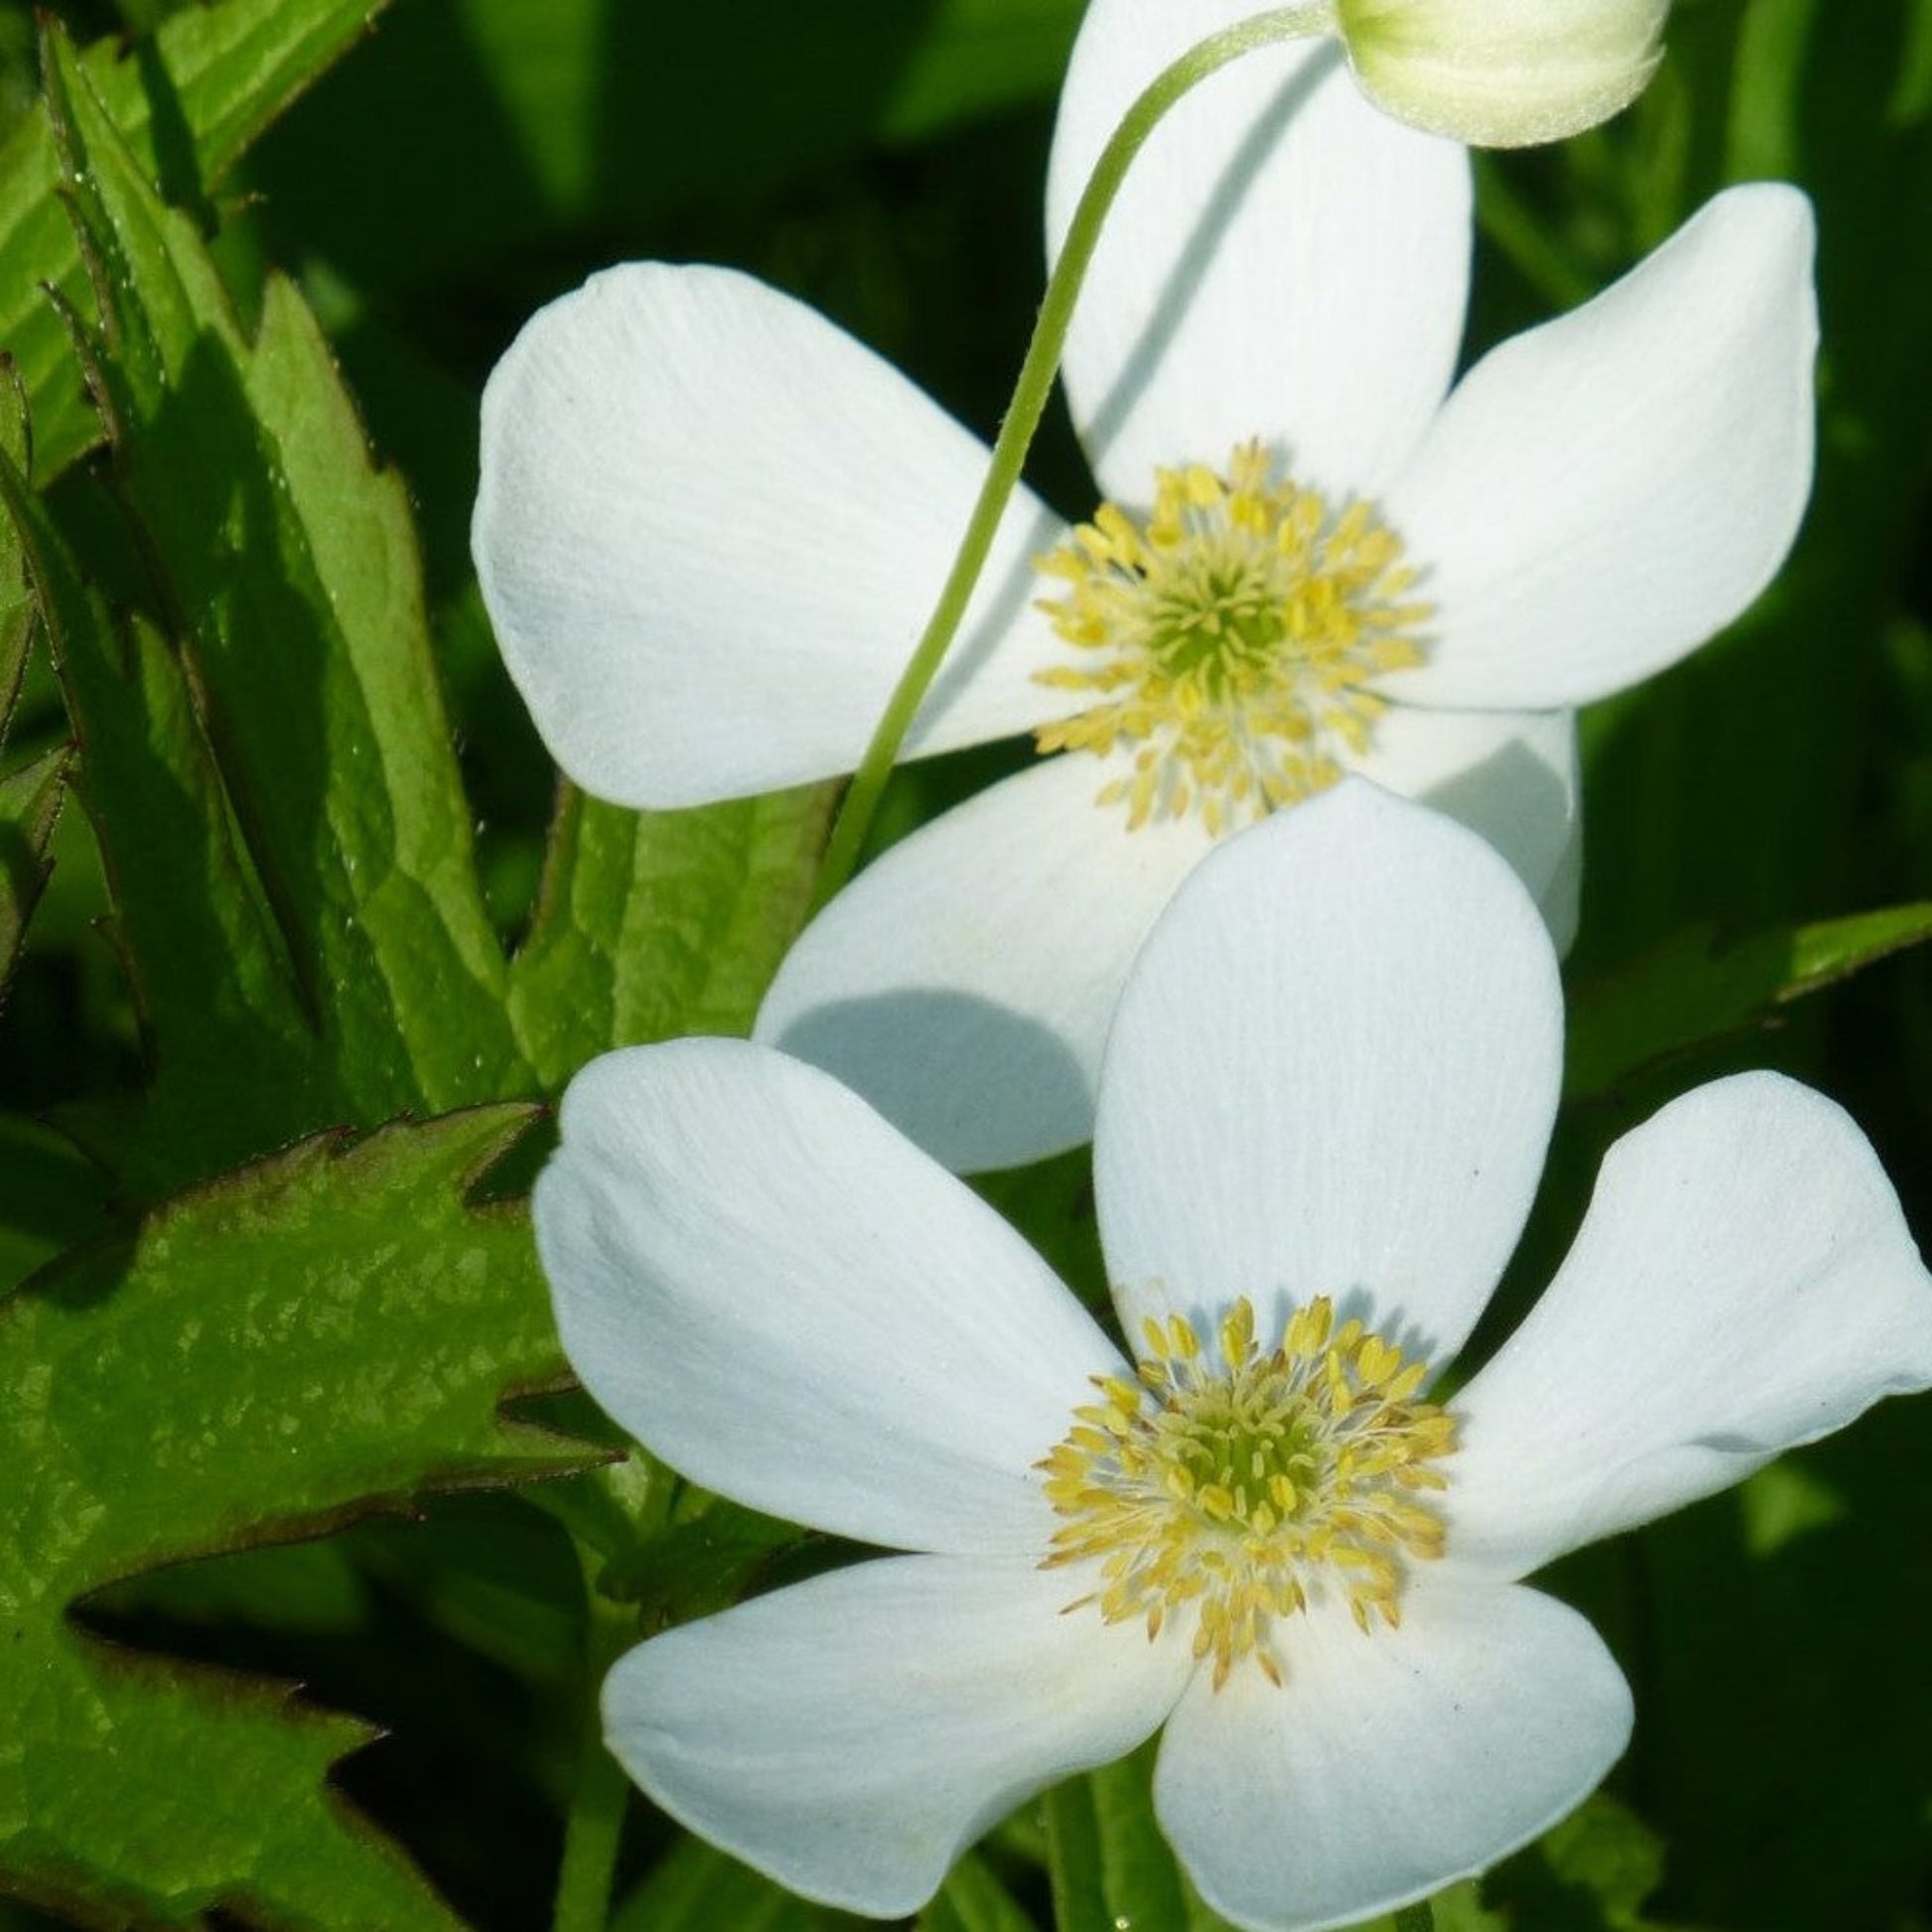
[655, 923]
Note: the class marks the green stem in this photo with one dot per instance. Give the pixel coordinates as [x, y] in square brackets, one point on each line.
[1508, 222]
[1029, 403]
[1420, 1917]
[1072, 1847]
[595, 1826]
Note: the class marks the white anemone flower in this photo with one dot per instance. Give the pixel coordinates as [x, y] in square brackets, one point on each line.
[1322, 1114]
[711, 526]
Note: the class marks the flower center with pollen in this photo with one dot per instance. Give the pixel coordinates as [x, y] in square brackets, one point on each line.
[1229, 642]
[1241, 1489]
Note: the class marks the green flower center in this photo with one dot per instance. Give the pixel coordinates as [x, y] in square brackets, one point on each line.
[1230, 641]
[1235, 1489]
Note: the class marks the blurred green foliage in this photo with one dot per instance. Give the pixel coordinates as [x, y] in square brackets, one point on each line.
[242, 942]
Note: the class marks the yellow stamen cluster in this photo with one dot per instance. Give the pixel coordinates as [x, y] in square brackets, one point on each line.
[1229, 642]
[1236, 1489]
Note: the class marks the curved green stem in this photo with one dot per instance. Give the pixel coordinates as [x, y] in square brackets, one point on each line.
[1029, 403]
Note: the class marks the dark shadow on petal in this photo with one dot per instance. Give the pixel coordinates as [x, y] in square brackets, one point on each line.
[1506, 797]
[954, 1074]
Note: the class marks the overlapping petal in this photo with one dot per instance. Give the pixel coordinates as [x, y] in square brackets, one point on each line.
[1602, 494]
[1283, 262]
[1510, 776]
[965, 981]
[1743, 1283]
[1333, 1072]
[1387, 1765]
[853, 1734]
[711, 528]
[791, 1304]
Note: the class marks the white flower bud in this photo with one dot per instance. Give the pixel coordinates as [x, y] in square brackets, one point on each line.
[1502, 73]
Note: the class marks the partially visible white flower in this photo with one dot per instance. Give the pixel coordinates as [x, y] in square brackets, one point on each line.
[1322, 1114]
[711, 528]
[1503, 73]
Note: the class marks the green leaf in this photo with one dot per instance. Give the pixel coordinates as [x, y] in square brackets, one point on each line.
[1594, 1872]
[697, 1888]
[1748, 781]
[1460, 1909]
[241, 1064]
[328, 1333]
[1111, 1865]
[30, 802]
[656, 924]
[480, 129]
[1107, 1856]
[1605, 1850]
[978, 57]
[16, 600]
[281, 679]
[30, 799]
[973, 1900]
[1769, 50]
[189, 100]
[268, 765]
[697, 1566]
[49, 1197]
[1692, 991]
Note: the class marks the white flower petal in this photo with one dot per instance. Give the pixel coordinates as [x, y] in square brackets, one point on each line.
[965, 982]
[791, 1304]
[1743, 1283]
[1511, 776]
[853, 1734]
[1283, 261]
[709, 529]
[1503, 73]
[1387, 1765]
[1602, 494]
[1333, 1072]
